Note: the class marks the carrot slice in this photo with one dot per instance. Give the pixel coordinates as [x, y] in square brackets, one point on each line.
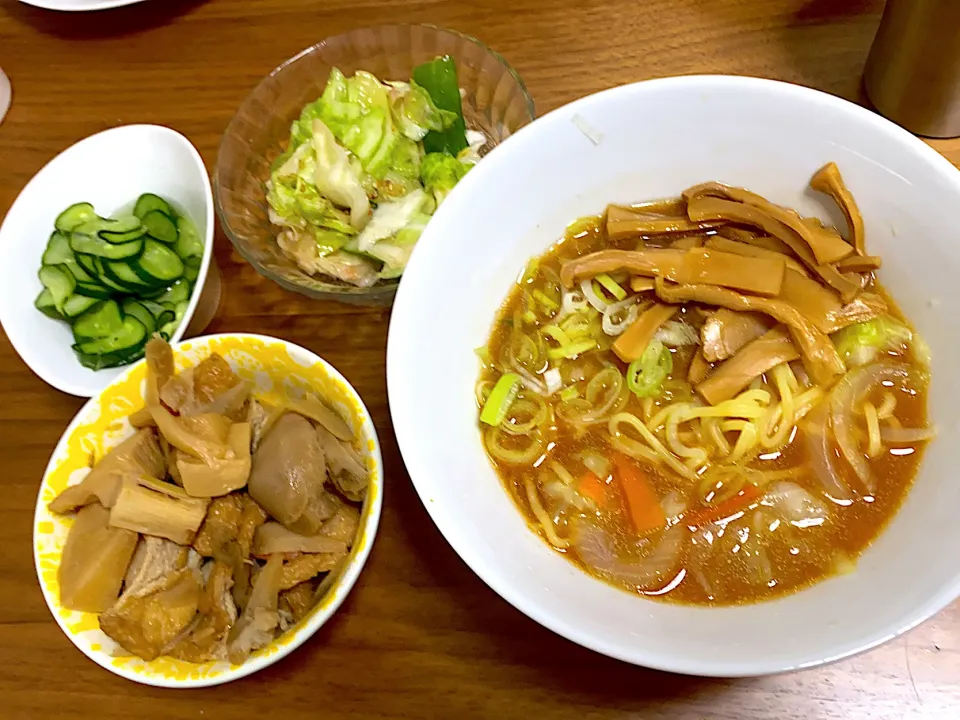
[642, 501]
[594, 488]
[731, 506]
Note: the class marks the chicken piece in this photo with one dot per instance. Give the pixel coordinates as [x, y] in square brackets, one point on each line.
[212, 378]
[220, 526]
[154, 559]
[343, 526]
[146, 622]
[322, 505]
[211, 386]
[139, 454]
[304, 567]
[288, 470]
[177, 390]
[261, 417]
[298, 600]
[256, 627]
[726, 331]
[302, 249]
[344, 465]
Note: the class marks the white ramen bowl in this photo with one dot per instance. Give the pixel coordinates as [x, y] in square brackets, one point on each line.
[651, 140]
[110, 170]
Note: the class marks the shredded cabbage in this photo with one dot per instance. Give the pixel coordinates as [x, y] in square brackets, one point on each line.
[394, 230]
[416, 114]
[335, 177]
[862, 343]
[352, 179]
[440, 172]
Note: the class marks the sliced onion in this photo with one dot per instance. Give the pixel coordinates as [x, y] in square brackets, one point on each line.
[595, 549]
[596, 463]
[598, 303]
[612, 326]
[573, 302]
[846, 397]
[821, 457]
[553, 380]
[795, 505]
[494, 438]
[907, 436]
[533, 408]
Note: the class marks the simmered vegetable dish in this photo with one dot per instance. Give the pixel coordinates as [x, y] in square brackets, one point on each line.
[218, 524]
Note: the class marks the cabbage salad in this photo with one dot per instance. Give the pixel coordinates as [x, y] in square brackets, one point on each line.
[367, 165]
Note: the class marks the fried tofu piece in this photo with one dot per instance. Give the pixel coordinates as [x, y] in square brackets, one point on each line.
[207, 640]
[146, 622]
[306, 566]
[251, 518]
[212, 378]
[220, 526]
[298, 600]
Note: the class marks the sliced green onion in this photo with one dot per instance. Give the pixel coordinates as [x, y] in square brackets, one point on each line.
[500, 400]
[530, 272]
[530, 317]
[544, 300]
[578, 327]
[569, 393]
[557, 334]
[611, 286]
[645, 375]
[571, 350]
[583, 226]
[484, 354]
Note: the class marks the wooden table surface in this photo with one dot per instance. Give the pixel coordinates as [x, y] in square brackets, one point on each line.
[420, 636]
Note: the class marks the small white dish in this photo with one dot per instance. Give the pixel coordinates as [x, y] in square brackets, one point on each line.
[110, 170]
[270, 365]
[79, 5]
[5, 94]
[652, 140]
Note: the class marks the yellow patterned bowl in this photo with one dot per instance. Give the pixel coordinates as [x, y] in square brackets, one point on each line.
[275, 368]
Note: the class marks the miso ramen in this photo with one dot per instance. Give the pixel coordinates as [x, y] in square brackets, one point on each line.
[707, 399]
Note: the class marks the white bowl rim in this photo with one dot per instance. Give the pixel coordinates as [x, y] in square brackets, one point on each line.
[346, 580]
[61, 6]
[410, 441]
[208, 235]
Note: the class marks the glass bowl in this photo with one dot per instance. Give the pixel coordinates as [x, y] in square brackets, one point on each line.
[495, 101]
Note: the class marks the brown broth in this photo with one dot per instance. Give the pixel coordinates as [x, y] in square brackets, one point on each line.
[798, 557]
